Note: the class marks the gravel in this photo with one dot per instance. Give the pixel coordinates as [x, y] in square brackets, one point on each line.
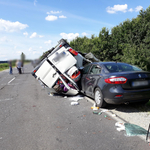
[132, 115]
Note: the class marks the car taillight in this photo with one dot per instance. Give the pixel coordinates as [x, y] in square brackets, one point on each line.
[60, 46]
[116, 80]
[118, 95]
[73, 52]
[34, 71]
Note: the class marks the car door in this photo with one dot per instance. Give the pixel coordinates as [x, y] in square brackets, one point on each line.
[90, 80]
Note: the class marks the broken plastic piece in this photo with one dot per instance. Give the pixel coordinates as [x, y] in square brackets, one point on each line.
[133, 130]
[94, 108]
[99, 113]
[51, 94]
[104, 110]
[113, 115]
[95, 112]
[74, 103]
[119, 124]
[76, 98]
[121, 128]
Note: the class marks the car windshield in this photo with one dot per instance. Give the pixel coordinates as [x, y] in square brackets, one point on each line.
[120, 67]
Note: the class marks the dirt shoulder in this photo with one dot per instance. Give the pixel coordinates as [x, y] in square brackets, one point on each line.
[133, 113]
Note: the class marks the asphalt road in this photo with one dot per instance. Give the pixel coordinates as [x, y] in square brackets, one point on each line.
[30, 119]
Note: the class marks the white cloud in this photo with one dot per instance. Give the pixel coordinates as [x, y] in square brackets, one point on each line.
[34, 52]
[138, 8]
[18, 52]
[62, 16]
[3, 57]
[53, 12]
[25, 33]
[51, 18]
[69, 36]
[48, 42]
[9, 26]
[40, 36]
[4, 39]
[34, 35]
[35, 1]
[131, 10]
[84, 34]
[30, 49]
[112, 10]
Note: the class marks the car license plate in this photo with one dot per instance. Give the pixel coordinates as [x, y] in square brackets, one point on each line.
[139, 83]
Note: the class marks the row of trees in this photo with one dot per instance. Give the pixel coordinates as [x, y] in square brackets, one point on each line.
[128, 42]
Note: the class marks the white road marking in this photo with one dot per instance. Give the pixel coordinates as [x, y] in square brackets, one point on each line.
[7, 99]
[11, 80]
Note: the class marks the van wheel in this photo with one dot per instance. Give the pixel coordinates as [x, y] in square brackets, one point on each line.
[98, 97]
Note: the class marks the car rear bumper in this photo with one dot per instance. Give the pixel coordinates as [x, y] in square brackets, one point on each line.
[128, 96]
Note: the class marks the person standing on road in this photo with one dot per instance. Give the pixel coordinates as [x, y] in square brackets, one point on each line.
[22, 64]
[18, 66]
[10, 67]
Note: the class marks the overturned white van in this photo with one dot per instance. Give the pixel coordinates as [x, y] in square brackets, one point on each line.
[60, 69]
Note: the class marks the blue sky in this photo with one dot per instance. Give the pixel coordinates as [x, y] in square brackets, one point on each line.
[35, 26]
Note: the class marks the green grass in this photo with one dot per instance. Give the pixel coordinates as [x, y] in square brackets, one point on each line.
[4, 66]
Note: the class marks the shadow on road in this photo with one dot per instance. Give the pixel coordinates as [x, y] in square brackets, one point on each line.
[133, 107]
[26, 73]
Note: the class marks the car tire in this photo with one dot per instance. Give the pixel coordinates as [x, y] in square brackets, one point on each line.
[99, 99]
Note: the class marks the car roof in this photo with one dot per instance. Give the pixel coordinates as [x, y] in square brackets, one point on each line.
[107, 62]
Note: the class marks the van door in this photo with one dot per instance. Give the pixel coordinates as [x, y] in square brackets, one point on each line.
[47, 74]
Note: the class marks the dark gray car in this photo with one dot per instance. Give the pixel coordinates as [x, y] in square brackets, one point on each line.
[115, 83]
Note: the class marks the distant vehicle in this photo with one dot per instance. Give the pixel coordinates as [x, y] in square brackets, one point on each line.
[115, 83]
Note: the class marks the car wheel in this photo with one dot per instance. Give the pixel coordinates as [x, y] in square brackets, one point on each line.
[98, 96]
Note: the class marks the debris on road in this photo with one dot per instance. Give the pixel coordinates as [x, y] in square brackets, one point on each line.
[120, 126]
[76, 98]
[114, 115]
[107, 117]
[133, 130]
[98, 113]
[74, 103]
[94, 108]
[104, 110]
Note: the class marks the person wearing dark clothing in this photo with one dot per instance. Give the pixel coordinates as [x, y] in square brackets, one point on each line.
[10, 67]
[22, 68]
[18, 66]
